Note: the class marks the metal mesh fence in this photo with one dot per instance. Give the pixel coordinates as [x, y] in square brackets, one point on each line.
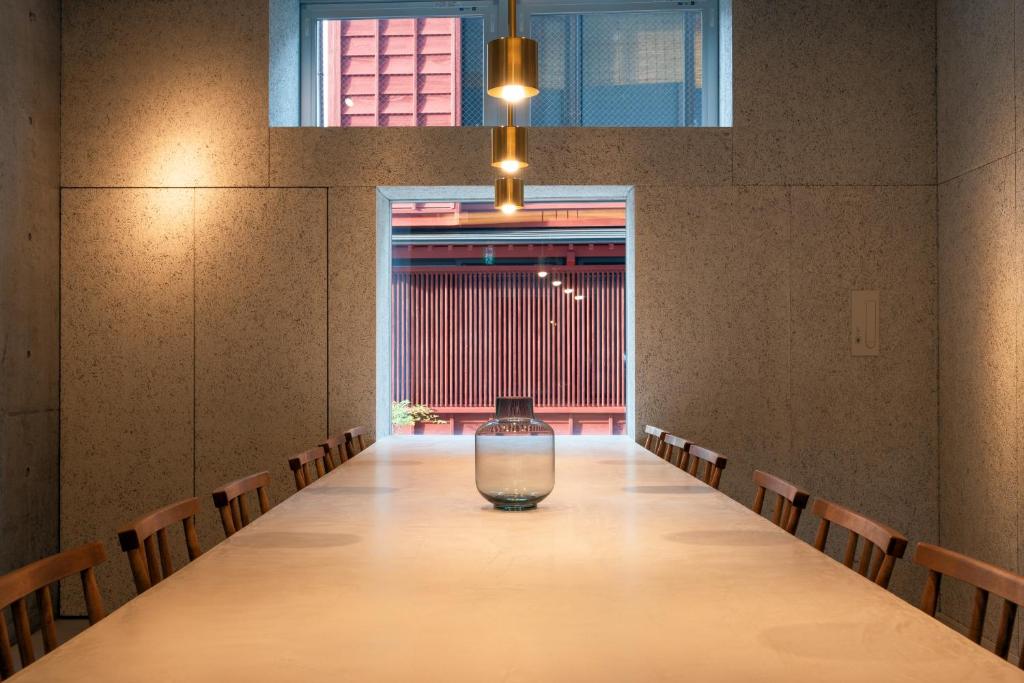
[619, 69]
[473, 77]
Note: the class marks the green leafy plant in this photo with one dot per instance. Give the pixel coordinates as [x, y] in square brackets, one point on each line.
[405, 413]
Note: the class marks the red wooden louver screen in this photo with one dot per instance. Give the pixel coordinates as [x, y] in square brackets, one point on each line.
[462, 337]
[392, 72]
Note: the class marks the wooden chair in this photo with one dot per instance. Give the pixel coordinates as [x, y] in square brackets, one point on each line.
[711, 473]
[882, 545]
[303, 464]
[230, 500]
[985, 578]
[790, 501]
[674, 449]
[38, 577]
[354, 442]
[334, 446]
[146, 535]
[655, 441]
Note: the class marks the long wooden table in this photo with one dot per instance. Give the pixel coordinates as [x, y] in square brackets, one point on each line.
[393, 568]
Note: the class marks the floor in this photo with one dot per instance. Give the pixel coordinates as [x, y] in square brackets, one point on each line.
[66, 629]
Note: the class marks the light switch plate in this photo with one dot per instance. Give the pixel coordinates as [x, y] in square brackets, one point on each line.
[864, 324]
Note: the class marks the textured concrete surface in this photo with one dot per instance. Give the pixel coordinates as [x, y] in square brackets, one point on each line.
[839, 92]
[864, 428]
[712, 313]
[351, 290]
[459, 156]
[126, 366]
[981, 302]
[743, 340]
[164, 94]
[979, 316]
[975, 84]
[261, 335]
[29, 280]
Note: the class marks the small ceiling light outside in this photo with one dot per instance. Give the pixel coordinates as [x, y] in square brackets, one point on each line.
[556, 283]
[508, 194]
[568, 290]
[578, 297]
[508, 148]
[349, 102]
[542, 274]
[512, 64]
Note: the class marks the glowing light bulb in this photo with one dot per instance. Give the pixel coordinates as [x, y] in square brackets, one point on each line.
[513, 93]
[568, 290]
[509, 209]
[542, 273]
[510, 165]
[556, 283]
[349, 102]
[578, 297]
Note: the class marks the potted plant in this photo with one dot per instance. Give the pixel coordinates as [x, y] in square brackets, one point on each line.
[407, 416]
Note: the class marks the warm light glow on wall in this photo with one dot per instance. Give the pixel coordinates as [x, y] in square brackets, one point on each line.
[179, 162]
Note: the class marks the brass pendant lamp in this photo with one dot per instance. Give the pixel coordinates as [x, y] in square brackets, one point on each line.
[508, 146]
[512, 64]
[508, 194]
[511, 76]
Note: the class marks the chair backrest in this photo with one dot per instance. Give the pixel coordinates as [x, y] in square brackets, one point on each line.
[305, 463]
[674, 449]
[882, 544]
[655, 441]
[334, 446]
[230, 500]
[145, 541]
[985, 578]
[790, 500]
[354, 442]
[713, 464]
[37, 578]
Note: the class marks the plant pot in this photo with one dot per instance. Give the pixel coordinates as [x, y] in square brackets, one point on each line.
[434, 428]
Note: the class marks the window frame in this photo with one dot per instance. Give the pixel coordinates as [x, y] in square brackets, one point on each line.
[493, 13]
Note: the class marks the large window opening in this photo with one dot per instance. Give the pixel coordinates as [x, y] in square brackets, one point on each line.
[481, 305]
[602, 63]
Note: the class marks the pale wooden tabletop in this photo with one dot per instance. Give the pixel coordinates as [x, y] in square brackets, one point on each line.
[393, 568]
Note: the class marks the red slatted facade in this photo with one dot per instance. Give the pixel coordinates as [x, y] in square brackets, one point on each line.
[462, 336]
[392, 72]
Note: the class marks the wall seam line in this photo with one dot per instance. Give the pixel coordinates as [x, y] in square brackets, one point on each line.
[60, 288]
[327, 303]
[938, 340]
[789, 301]
[195, 415]
[197, 187]
[1016, 349]
[976, 168]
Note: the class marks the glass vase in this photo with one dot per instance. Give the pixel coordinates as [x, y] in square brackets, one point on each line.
[515, 456]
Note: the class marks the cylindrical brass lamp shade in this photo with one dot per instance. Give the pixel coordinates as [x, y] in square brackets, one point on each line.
[508, 194]
[512, 68]
[508, 148]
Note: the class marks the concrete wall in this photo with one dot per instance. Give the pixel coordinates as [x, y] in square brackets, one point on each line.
[981, 386]
[29, 283]
[233, 314]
